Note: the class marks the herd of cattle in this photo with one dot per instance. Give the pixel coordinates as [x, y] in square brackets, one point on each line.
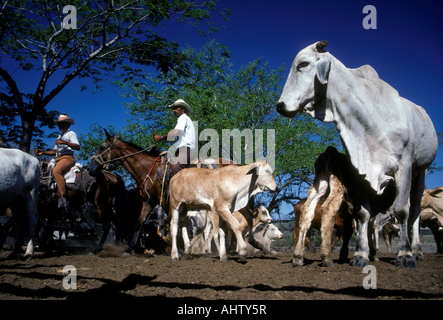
[203, 232]
[380, 182]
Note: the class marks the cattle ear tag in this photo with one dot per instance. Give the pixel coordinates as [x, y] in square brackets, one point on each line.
[323, 68]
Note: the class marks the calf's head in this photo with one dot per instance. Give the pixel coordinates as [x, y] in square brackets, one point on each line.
[262, 214]
[264, 178]
[306, 81]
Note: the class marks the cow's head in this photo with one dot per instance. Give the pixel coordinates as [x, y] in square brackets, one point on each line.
[264, 178]
[306, 84]
[263, 214]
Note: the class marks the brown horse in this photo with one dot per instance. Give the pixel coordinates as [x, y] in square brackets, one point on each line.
[83, 195]
[142, 164]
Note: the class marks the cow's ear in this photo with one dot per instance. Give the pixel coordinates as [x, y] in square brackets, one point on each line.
[436, 193]
[253, 169]
[323, 67]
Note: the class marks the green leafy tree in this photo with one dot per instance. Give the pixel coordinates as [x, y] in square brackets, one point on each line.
[39, 38]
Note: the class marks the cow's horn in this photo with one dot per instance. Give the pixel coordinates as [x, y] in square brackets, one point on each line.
[320, 45]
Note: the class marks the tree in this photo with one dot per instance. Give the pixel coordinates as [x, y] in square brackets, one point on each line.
[224, 99]
[40, 37]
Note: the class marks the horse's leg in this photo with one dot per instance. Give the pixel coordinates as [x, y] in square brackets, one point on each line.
[106, 227]
[146, 210]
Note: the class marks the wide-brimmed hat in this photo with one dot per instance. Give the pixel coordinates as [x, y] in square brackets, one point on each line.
[64, 118]
[180, 103]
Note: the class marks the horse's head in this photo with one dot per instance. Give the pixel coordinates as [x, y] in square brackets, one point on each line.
[105, 154]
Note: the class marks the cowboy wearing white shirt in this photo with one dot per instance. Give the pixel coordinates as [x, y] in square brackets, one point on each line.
[185, 131]
[64, 148]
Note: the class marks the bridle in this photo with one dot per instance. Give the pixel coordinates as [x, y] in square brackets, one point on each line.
[105, 163]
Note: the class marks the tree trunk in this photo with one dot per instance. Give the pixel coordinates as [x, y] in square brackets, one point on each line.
[28, 123]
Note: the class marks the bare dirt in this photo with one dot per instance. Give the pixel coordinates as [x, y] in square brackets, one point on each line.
[269, 277]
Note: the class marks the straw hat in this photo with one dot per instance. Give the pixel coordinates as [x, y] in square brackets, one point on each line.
[64, 118]
[181, 103]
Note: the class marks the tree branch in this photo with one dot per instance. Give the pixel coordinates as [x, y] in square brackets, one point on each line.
[13, 87]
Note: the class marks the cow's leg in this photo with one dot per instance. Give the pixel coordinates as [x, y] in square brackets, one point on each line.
[347, 234]
[209, 232]
[31, 199]
[146, 210]
[401, 210]
[327, 226]
[233, 223]
[329, 210]
[316, 191]
[222, 245]
[376, 227]
[417, 188]
[216, 229]
[389, 243]
[174, 231]
[361, 255]
[186, 241]
[373, 238]
[308, 241]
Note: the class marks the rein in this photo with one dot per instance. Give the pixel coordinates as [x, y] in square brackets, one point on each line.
[140, 187]
[102, 162]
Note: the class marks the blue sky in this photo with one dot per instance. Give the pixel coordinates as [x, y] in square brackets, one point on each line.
[405, 49]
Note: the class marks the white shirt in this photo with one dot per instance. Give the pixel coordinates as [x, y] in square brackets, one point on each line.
[187, 139]
[63, 149]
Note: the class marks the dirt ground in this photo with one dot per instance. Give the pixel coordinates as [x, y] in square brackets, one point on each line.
[262, 277]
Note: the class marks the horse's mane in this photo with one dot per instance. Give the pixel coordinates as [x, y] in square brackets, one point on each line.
[154, 152]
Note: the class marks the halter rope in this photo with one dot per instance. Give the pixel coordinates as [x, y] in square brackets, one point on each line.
[102, 162]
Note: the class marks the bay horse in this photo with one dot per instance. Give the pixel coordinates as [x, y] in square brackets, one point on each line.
[142, 164]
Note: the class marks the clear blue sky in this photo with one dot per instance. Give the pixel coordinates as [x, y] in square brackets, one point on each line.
[405, 49]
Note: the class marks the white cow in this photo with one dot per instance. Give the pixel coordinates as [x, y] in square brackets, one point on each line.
[19, 185]
[390, 141]
[262, 235]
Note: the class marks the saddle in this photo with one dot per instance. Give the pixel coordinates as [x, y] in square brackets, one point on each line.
[77, 178]
[165, 173]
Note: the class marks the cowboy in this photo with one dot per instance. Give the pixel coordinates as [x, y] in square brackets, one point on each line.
[185, 132]
[64, 148]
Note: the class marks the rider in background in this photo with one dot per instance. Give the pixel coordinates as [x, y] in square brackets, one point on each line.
[184, 131]
[64, 148]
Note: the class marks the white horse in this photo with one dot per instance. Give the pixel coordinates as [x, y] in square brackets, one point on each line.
[19, 186]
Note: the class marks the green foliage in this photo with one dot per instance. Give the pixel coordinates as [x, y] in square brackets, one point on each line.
[108, 34]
